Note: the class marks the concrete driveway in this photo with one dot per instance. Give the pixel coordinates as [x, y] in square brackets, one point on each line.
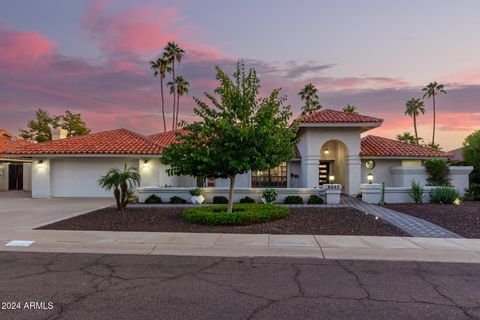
[18, 211]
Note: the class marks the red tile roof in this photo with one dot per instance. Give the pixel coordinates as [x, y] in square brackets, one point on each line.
[166, 138]
[334, 116]
[374, 146]
[9, 141]
[457, 155]
[120, 141]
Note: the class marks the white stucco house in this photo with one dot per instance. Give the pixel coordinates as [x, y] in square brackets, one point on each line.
[334, 150]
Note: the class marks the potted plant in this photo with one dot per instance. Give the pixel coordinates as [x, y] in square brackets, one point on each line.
[197, 196]
[269, 196]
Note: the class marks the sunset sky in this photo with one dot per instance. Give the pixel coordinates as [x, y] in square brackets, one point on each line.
[91, 57]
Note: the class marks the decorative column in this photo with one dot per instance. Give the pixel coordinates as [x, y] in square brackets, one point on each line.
[41, 178]
[310, 171]
[354, 166]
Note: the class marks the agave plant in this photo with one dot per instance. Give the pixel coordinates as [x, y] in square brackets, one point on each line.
[121, 181]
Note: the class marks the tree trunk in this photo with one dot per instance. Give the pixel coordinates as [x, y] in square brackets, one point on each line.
[116, 193]
[123, 196]
[415, 127]
[434, 118]
[178, 108]
[163, 105]
[230, 194]
[174, 125]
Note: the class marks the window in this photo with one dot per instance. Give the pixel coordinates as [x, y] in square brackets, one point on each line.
[273, 178]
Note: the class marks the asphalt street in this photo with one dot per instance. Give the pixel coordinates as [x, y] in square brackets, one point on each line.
[89, 286]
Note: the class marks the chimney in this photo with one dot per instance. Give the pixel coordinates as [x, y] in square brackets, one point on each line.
[58, 133]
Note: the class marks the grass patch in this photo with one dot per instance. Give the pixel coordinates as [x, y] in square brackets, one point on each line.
[243, 214]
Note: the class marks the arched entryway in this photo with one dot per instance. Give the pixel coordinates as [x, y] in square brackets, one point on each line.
[333, 163]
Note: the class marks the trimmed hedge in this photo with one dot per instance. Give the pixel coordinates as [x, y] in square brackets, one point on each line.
[220, 200]
[243, 214]
[314, 199]
[153, 199]
[293, 200]
[247, 200]
[177, 200]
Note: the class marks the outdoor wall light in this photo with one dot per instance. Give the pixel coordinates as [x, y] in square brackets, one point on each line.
[145, 164]
[40, 163]
[326, 151]
[370, 177]
[331, 178]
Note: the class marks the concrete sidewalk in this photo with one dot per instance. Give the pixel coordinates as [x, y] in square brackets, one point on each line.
[248, 245]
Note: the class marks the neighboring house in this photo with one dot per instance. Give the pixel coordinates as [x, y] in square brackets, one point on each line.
[14, 172]
[456, 155]
[331, 151]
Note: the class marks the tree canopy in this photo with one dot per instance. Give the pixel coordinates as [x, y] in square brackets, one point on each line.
[238, 131]
[310, 96]
[38, 129]
[471, 154]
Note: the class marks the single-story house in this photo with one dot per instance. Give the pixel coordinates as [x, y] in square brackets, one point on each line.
[331, 151]
[14, 171]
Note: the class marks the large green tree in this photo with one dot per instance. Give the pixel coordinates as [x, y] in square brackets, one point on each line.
[238, 132]
[160, 68]
[310, 96]
[431, 90]
[172, 53]
[38, 129]
[471, 154]
[413, 108]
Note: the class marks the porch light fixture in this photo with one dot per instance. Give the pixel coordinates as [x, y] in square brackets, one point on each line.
[370, 178]
[331, 178]
[326, 151]
[40, 163]
[145, 164]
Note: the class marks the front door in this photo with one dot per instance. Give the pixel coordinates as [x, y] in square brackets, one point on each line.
[15, 176]
[324, 172]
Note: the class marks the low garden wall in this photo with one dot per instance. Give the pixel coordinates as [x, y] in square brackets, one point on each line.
[330, 195]
[372, 193]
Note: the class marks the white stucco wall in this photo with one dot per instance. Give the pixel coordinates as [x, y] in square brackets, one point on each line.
[27, 176]
[381, 172]
[73, 177]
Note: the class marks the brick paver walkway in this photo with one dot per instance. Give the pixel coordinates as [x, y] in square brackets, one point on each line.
[414, 226]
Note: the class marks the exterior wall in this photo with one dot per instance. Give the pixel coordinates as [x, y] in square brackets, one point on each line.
[330, 196]
[293, 167]
[27, 176]
[313, 139]
[381, 172]
[75, 177]
[241, 181]
[41, 178]
[3, 176]
[371, 193]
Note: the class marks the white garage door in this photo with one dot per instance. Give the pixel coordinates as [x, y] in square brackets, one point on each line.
[78, 177]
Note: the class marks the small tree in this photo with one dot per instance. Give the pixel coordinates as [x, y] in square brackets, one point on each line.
[407, 137]
[238, 132]
[471, 155]
[438, 171]
[121, 182]
[73, 124]
[349, 108]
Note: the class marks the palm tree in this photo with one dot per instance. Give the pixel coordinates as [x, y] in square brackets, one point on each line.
[160, 68]
[182, 88]
[349, 108]
[432, 89]
[414, 107]
[122, 182]
[173, 53]
[406, 137]
[309, 94]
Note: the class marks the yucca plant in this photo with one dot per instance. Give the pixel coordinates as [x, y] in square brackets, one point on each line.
[121, 181]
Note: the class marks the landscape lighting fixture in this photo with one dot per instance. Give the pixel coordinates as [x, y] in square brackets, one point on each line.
[370, 178]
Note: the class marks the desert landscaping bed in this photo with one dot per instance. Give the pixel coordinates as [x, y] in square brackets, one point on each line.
[463, 220]
[327, 221]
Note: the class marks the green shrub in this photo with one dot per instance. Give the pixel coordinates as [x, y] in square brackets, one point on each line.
[220, 200]
[242, 214]
[293, 200]
[196, 192]
[417, 192]
[270, 195]
[177, 200]
[445, 195]
[153, 199]
[247, 200]
[314, 199]
[438, 171]
[473, 192]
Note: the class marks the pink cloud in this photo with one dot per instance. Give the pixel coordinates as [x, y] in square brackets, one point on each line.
[23, 49]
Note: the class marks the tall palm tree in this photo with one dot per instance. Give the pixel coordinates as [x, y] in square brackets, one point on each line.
[182, 87]
[349, 108]
[309, 94]
[173, 53]
[431, 90]
[122, 181]
[160, 68]
[413, 108]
